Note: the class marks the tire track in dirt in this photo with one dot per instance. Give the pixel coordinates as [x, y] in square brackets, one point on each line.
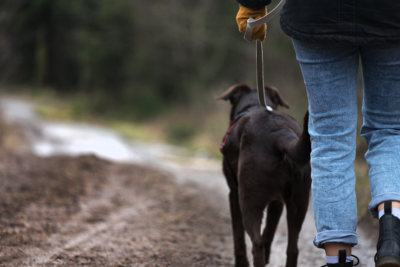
[89, 234]
[138, 217]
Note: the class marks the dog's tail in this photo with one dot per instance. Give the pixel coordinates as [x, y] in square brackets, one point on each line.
[300, 151]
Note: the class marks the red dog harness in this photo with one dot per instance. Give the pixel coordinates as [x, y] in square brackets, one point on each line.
[222, 146]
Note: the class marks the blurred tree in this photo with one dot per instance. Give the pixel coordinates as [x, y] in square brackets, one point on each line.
[69, 44]
[128, 57]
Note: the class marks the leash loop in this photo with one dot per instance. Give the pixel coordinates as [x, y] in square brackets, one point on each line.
[251, 24]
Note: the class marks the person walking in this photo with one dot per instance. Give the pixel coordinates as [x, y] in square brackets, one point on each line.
[330, 38]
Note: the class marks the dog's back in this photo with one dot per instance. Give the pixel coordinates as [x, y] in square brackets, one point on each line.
[272, 148]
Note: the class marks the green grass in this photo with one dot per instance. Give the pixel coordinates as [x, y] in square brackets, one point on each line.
[133, 131]
[54, 113]
[199, 132]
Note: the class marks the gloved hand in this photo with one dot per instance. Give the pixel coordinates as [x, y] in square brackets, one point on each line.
[244, 14]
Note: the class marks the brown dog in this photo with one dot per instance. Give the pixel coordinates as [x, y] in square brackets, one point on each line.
[266, 162]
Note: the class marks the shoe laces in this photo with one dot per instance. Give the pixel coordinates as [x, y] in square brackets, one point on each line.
[358, 261]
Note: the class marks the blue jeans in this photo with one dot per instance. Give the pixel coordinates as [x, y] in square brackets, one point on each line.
[330, 74]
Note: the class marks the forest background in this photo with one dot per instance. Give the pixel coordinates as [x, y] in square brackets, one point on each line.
[149, 69]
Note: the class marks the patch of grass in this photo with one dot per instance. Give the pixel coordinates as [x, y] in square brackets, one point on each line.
[206, 144]
[180, 132]
[54, 113]
[210, 135]
[197, 127]
[134, 131]
[79, 109]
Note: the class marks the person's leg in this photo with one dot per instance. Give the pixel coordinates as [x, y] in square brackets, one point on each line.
[330, 74]
[381, 126]
[381, 130]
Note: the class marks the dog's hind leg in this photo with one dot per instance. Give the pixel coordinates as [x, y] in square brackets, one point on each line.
[238, 230]
[296, 212]
[253, 200]
[274, 213]
[252, 218]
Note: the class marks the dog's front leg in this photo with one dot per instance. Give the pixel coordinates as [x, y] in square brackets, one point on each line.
[238, 230]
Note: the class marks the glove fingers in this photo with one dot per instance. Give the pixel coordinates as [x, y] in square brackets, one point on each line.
[252, 12]
[259, 33]
[242, 23]
[241, 19]
[244, 14]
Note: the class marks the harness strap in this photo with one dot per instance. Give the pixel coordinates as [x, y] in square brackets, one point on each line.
[222, 146]
[251, 24]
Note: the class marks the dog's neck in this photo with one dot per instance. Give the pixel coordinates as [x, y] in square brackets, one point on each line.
[237, 111]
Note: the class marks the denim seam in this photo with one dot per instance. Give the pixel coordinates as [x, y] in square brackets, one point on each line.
[345, 236]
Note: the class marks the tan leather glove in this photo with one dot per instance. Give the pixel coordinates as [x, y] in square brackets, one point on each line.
[244, 14]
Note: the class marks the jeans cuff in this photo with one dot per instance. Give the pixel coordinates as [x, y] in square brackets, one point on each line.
[337, 236]
[373, 206]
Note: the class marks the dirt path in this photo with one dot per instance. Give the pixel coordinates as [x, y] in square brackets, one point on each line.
[124, 214]
[116, 215]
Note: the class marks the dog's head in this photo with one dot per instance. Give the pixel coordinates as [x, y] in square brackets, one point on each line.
[243, 96]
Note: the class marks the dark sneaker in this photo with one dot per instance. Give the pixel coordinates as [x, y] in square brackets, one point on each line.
[342, 261]
[388, 247]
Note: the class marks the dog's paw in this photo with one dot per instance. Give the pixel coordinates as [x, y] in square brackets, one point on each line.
[241, 261]
[266, 255]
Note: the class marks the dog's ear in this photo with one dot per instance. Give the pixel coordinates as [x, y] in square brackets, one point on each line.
[275, 97]
[234, 92]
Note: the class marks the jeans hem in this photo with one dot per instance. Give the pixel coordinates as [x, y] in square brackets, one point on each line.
[336, 236]
[373, 205]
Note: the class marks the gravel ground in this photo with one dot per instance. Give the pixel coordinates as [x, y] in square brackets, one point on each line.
[85, 211]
